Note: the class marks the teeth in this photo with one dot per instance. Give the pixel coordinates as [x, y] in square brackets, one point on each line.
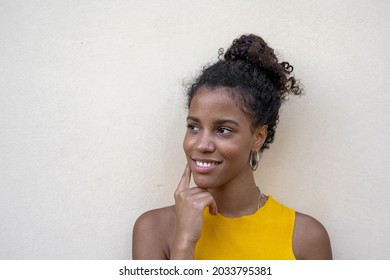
[205, 164]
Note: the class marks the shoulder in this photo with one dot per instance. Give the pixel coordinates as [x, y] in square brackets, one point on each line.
[311, 240]
[152, 232]
[155, 217]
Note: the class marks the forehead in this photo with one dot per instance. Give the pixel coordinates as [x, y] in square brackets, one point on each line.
[216, 103]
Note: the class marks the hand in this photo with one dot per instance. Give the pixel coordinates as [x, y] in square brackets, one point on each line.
[190, 204]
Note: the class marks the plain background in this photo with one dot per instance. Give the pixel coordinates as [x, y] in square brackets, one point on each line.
[92, 117]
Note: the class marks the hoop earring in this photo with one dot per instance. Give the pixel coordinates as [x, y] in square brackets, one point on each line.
[254, 160]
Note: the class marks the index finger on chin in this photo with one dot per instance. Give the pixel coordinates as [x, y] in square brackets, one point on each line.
[185, 179]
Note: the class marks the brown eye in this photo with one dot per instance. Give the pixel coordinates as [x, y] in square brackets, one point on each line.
[224, 130]
[192, 127]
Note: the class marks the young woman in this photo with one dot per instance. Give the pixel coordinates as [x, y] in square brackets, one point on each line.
[233, 111]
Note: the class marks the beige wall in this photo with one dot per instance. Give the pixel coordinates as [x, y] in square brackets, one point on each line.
[92, 117]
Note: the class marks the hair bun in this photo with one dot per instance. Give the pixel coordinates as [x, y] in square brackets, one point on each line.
[252, 48]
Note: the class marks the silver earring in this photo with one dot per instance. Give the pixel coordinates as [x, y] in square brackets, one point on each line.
[254, 160]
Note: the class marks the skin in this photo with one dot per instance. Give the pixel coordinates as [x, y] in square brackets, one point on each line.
[219, 133]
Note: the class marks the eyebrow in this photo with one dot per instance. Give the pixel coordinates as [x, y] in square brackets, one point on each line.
[217, 122]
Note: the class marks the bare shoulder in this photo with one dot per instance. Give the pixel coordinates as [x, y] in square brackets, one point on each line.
[156, 217]
[153, 232]
[311, 240]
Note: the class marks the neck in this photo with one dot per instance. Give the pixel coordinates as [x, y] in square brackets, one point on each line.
[236, 199]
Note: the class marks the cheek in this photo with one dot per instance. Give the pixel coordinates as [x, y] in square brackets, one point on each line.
[236, 150]
[236, 156]
[186, 144]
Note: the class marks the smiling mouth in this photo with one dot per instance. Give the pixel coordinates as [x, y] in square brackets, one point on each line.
[206, 163]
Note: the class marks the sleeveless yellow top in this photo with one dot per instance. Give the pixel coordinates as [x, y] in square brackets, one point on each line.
[265, 235]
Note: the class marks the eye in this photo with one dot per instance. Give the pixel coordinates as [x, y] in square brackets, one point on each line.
[193, 127]
[224, 130]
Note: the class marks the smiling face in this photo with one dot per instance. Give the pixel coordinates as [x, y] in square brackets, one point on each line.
[219, 140]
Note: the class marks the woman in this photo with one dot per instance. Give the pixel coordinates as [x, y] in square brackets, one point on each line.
[233, 111]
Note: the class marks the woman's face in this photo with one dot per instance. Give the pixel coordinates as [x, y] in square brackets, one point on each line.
[219, 140]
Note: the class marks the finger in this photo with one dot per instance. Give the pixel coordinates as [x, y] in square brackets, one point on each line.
[195, 190]
[210, 202]
[213, 209]
[185, 180]
[190, 195]
[198, 193]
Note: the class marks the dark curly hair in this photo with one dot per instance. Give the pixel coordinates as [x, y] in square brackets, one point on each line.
[256, 80]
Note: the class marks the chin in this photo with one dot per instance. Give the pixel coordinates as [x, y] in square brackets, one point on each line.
[204, 184]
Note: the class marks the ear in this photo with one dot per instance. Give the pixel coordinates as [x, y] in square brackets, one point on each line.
[260, 134]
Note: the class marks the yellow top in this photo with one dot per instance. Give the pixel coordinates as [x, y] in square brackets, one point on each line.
[265, 235]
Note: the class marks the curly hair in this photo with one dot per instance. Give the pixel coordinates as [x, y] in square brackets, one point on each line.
[254, 78]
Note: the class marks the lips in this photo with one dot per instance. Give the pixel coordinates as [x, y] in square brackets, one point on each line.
[205, 165]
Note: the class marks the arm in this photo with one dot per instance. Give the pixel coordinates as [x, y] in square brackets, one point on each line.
[189, 206]
[310, 240]
[149, 241]
[172, 232]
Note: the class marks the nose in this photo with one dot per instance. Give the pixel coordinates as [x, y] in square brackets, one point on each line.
[205, 143]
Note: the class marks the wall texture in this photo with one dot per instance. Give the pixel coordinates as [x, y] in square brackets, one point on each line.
[92, 117]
